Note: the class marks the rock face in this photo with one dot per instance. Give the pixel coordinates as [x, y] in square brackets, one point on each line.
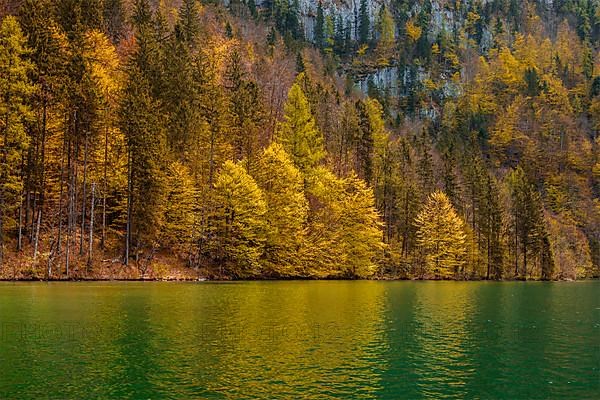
[391, 79]
[386, 79]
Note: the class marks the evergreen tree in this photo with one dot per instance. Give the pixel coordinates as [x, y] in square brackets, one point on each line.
[146, 142]
[364, 142]
[528, 217]
[252, 8]
[189, 21]
[364, 23]
[441, 236]
[319, 27]
[114, 19]
[300, 67]
[245, 108]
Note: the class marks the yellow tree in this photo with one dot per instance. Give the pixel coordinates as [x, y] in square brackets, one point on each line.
[15, 89]
[287, 210]
[237, 227]
[344, 233]
[179, 206]
[441, 236]
[298, 133]
[362, 229]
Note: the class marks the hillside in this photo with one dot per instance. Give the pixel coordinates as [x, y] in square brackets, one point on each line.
[300, 139]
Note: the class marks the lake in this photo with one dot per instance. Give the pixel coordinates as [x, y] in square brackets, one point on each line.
[315, 340]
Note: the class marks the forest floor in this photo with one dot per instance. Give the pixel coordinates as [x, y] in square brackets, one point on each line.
[105, 265]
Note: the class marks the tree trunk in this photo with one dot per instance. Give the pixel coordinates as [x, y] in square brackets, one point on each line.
[105, 189]
[37, 233]
[60, 199]
[91, 237]
[83, 197]
[129, 189]
[525, 261]
[20, 231]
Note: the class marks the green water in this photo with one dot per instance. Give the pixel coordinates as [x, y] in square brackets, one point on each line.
[293, 340]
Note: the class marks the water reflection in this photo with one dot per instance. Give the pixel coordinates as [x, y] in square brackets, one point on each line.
[300, 339]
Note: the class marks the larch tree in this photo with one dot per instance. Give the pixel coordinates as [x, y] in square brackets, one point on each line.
[237, 226]
[362, 229]
[287, 210]
[15, 90]
[441, 236]
[298, 132]
[180, 207]
[386, 30]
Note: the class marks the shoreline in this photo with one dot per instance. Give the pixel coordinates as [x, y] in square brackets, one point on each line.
[207, 280]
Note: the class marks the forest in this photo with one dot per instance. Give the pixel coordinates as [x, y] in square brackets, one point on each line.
[306, 139]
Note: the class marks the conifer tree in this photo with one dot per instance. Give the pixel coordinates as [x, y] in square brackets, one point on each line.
[179, 207]
[298, 132]
[529, 225]
[287, 210]
[364, 23]
[146, 142]
[246, 110]
[237, 227]
[362, 229]
[441, 236]
[319, 27]
[344, 236]
[15, 92]
[386, 30]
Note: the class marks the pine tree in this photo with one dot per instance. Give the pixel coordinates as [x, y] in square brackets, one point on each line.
[287, 210]
[528, 216]
[189, 21]
[300, 67]
[15, 92]
[364, 23]
[319, 27]
[146, 143]
[364, 142]
[298, 132]
[441, 236]
[238, 225]
[252, 8]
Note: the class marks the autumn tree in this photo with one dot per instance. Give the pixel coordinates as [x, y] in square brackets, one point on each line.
[344, 232]
[441, 236]
[298, 132]
[15, 89]
[237, 227]
[287, 210]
